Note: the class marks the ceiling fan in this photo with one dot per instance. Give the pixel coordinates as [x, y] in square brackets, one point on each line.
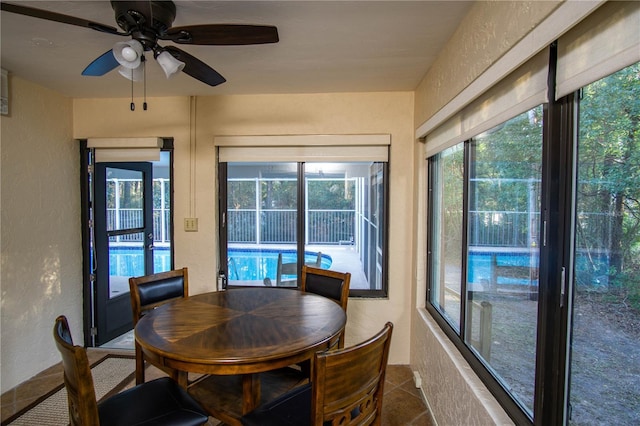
[146, 22]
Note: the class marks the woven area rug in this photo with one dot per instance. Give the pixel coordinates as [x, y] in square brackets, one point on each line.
[110, 375]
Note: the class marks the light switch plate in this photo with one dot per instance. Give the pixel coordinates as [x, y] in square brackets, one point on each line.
[191, 224]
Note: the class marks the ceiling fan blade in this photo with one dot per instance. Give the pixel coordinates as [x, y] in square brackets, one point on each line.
[101, 65]
[196, 68]
[223, 34]
[57, 17]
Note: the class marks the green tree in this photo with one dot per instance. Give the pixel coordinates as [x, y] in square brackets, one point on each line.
[609, 174]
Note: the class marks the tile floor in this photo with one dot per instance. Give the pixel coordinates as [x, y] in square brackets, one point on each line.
[403, 404]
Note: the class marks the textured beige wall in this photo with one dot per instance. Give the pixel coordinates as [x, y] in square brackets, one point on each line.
[41, 234]
[489, 30]
[345, 113]
[455, 394]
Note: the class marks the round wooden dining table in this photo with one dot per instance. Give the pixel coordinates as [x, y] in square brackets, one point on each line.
[239, 331]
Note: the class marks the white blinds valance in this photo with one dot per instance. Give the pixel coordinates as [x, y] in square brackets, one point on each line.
[522, 90]
[565, 16]
[307, 148]
[125, 149]
[605, 42]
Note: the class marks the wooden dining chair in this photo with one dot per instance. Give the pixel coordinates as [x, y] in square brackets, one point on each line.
[160, 401]
[346, 388]
[331, 284]
[150, 291]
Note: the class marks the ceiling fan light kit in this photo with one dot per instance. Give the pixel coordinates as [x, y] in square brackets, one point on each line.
[146, 22]
[170, 65]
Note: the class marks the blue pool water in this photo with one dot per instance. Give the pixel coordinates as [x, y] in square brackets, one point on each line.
[479, 265]
[244, 264]
[129, 262]
[256, 264]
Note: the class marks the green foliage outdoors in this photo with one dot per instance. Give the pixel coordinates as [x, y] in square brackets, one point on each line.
[331, 194]
[609, 181]
[505, 173]
[129, 191]
[323, 194]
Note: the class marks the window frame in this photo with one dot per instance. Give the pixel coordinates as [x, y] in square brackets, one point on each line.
[511, 406]
[383, 292]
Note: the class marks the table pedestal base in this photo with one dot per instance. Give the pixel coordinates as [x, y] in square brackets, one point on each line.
[222, 396]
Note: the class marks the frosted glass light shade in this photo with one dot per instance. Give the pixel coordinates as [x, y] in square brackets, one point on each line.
[169, 64]
[128, 53]
[135, 74]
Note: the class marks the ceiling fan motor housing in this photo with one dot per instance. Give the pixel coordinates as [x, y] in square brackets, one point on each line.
[146, 21]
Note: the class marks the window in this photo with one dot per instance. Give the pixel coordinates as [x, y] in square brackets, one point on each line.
[280, 215]
[446, 233]
[485, 272]
[546, 312]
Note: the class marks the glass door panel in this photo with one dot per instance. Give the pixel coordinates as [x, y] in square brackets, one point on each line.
[125, 261]
[124, 241]
[162, 218]
[344, 220]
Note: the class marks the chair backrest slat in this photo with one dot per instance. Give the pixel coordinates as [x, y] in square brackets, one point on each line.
[348, 384]
[81, 395]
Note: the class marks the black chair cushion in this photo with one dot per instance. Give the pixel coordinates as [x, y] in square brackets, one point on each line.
[158, 291]
[158, 402]
[291, 409]
[324, 286]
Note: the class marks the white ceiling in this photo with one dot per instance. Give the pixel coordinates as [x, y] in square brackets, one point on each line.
[325, 46]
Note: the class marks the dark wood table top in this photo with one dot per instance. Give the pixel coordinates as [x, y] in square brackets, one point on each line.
[240, 331]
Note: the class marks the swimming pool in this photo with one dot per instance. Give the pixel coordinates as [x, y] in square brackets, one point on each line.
[245, 264]
[256, 264]
[129, 261]
[480, 265]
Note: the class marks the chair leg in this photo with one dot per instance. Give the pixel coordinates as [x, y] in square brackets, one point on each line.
[139, 365]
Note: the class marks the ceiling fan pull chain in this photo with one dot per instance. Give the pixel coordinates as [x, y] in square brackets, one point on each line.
[144, 81]
[133, 106]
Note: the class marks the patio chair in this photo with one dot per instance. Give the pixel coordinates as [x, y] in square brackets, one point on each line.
[150, 291]
[291, 268]
[346, 388]
[159, 401]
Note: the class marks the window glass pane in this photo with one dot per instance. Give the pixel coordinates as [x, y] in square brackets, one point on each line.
[605, 359]
[162, 213]
[502, 262]
[262, 202]
[124, 199]
[447, 171]
[125, 261]
[345, 220]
